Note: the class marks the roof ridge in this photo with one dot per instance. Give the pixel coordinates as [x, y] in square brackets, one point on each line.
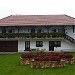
[41, 15]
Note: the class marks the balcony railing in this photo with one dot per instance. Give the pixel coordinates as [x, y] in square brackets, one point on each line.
[70, 39]
[31, 35]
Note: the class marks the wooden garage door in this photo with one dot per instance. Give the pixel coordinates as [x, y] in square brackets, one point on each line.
[8, 46]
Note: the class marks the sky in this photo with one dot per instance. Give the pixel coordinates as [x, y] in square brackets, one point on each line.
[37, 7]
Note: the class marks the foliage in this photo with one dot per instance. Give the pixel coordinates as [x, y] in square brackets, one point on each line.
[43, 56]
[27, 55]
[43, 50]
[66, 55]
[47, 57]
[10, 65]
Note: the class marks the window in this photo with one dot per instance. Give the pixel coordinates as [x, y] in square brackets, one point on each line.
[39, 43]
[10, 31]
[57, 44]
[61, 30]
[32, 30]
[3, 30]
[39, 31]
[53, 30]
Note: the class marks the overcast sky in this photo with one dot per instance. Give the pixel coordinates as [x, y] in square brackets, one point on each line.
[36, 7]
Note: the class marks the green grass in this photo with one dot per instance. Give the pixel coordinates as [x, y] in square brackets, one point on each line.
[10, 65]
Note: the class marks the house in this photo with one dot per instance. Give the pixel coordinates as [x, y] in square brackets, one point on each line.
[19, 33]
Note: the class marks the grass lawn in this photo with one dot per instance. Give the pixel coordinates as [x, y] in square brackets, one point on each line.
[10, 65]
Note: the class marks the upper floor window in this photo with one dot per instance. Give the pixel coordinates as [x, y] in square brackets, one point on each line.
[3, 30]
[32, 30]
[39, 31]
[10, 31]
[53, 30]
[61, 30]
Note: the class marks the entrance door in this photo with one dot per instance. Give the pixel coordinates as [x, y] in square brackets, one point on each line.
[51, 45]
[27, 45]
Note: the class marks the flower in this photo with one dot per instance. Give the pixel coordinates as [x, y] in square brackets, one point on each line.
[27, 55]
[51, 56]
[66, 55]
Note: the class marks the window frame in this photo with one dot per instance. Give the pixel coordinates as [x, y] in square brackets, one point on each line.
[39, 43]
[58, 44]
[3, 30]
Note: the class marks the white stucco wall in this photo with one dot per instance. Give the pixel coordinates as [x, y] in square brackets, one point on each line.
[69, 31]
[45, 44]
[21, 45]
[74, 32]
[65, 45]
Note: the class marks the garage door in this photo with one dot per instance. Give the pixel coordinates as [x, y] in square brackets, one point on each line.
[8, 46]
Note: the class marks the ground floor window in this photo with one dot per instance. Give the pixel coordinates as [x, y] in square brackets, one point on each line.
[39, 43]
[57, 44]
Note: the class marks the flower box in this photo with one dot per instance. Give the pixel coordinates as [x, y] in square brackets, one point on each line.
[69, 60]
[67, 57]
[45, 64]
[37, 64]
[72, 60]
[44, 60]
[24, 61]
[26, 58]
[57, 63]
[62, 63]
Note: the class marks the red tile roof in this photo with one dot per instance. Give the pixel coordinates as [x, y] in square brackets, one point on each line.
[24, 20]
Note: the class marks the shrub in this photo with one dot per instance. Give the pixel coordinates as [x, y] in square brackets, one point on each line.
[47, 58]
[66, 55]
[39, 58]
[57, 58]
[27, 55]
[52, 56]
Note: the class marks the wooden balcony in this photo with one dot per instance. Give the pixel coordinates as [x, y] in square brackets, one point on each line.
[31, 35]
